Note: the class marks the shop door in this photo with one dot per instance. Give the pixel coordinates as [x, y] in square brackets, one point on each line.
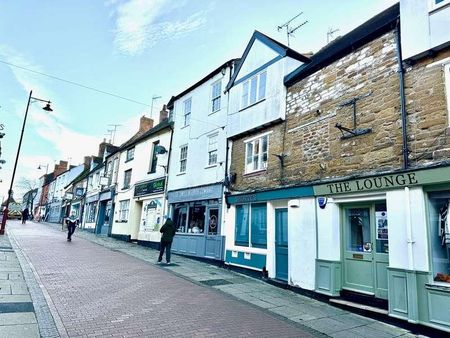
[281, 244]
[366, 251]
[213, 241]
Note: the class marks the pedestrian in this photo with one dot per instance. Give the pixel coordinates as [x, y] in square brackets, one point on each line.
[72, 221]
[25, 214]
[168, 231]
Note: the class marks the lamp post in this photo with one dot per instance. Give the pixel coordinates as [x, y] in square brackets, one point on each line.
[41, 166]
[5, 211]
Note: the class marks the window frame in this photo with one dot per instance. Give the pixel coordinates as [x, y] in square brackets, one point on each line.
[250, 239]
[129, 156]
[215, 150]
[247, 86]
[124, 211]
[261, 166]
[125, 185]
[432, 5]
[216, 98]
[153, 159]
[186, 113]
[183, 159]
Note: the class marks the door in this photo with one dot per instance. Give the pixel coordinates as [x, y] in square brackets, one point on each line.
[366, 250]
[213, 240]
[281, 244]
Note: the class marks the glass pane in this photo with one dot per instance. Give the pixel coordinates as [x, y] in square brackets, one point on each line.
[262, 86]
[244, 102]
[213, 222]
[249, 153]
[439, 219]
[179, 218]
[259, 225]
[282, 229]
[254, 81]
[358, 227]
[196, 219]
[241, 229]
[381, 223]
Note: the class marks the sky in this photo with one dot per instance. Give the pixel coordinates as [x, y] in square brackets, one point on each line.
[75, 52]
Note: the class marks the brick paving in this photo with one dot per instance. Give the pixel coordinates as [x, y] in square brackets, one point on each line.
[98, 292]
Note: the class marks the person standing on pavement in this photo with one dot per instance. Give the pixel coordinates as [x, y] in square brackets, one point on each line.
[71, 222]
[168, 232]
[25, 214]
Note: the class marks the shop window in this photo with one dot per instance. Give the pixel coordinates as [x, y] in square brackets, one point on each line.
[256, 154]
[196, 219]
[180, 218]
[91, 213]
[130, 154]
[251, 225]
[440, 238]
[124, 208]
[213, 221]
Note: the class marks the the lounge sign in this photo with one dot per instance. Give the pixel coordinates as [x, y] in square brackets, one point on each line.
[150, 187]
[392, 181]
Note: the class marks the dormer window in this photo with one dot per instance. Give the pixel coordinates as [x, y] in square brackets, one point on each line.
[254, 90]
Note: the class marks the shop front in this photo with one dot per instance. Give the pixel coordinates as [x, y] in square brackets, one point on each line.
[149, 196]
[197, 213]
[91, 212]
[105, 212]
[387, 238]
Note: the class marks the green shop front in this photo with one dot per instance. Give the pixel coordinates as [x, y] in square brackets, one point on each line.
[387, 238]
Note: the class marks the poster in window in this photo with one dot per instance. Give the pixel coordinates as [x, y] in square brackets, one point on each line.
[382, 225]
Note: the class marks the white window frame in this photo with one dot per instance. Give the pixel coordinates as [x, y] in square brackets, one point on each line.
[217, 97]
[253, 83]
[432, 5]
[187, 112]
[213, 148]
[183, 159]
[447, 89]
[124, 210]
[130, 154]
[262, 165]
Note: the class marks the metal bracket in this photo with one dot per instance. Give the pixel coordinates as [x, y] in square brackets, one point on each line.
[355, 131]
[352, 132]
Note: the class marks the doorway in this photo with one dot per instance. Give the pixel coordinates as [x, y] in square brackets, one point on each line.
[281, 244]
[366, 248]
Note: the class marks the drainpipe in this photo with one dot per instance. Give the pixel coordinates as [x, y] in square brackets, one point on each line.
[167, 174]
[401, 73]
[409, 239]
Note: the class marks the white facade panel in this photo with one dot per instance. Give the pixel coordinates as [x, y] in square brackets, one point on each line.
[329, 232]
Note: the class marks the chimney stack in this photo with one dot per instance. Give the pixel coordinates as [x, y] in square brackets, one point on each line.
[145, 124]
[163, 114]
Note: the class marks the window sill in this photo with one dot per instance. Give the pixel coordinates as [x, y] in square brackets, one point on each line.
[255, 173]
[121, 221]
[440, 286]
[435, 8]
[215, 111]
[151, 172]
[183, 173]
[211, 166]
[129, 160]
[190, 233]
[187, 125]
[253, 104]
[125, 188]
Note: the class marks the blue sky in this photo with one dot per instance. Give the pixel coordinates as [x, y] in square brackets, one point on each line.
[132, 48]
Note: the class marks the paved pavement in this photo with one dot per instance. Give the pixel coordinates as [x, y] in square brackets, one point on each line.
[101, 287]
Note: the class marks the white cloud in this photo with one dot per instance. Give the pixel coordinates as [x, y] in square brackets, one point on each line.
[138, 26]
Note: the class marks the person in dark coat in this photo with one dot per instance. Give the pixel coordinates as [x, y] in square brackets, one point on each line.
[168, 232]
[72, 221]
[25, 215]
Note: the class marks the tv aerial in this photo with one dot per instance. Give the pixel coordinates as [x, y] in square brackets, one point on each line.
[289, 30]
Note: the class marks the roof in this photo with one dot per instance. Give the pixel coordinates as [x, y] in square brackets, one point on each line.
[278, 47]
[139, 136]
[201, 81]
[368, 31]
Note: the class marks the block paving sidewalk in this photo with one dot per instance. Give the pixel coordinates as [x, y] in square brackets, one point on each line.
[317, 315]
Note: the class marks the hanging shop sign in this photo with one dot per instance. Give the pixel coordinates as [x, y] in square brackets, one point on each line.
[150, 187]
[384, 182]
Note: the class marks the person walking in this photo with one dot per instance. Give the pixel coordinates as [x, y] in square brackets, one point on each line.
[71, 222]
[168, 232]
[25, 215]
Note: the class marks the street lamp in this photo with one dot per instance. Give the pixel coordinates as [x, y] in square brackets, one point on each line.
[5, 211]
[40, 167]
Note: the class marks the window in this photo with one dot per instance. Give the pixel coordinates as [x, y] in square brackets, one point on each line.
[251, 225]
[154, 159]
[127, 179]
[212, 149]
[434, 4]
[254, 90]
[187, 111]
[130, 154]
[215, 97]
[124, 209]
[256, 154]
[183, 158]
[91, 212]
